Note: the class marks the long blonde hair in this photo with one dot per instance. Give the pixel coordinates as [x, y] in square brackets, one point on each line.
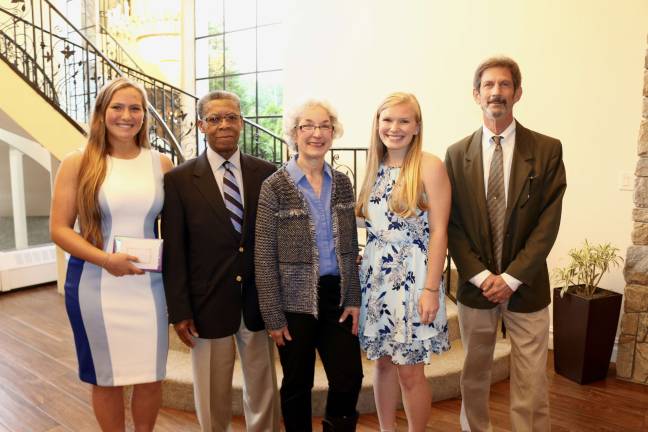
[408, 194]
[92, 170]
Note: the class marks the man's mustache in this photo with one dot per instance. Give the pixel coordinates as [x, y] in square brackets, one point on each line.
[497, 99]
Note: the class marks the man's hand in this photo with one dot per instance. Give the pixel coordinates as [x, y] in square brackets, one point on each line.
[354, 312]
[280, 336]
[495, 289]
[186, 331]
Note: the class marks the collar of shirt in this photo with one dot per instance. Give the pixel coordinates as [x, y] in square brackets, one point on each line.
[216, 160]
[218, 170]
[508, 138]
[297, 174]
[320, 212]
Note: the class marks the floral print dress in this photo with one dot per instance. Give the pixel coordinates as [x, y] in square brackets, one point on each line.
[392, 275]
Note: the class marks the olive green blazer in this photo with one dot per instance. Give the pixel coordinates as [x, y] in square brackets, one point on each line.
[536, 187]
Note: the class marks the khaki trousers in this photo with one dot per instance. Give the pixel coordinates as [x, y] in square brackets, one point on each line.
[213, 367]
[529, 337]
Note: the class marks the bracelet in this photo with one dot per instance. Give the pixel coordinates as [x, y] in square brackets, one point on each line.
[431, 289]
[103, 265]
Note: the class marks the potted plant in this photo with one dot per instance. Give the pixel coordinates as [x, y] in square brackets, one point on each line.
[585, 316]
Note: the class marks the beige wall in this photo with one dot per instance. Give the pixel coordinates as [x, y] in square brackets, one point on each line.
[37, 186]
[581, 62]
[33, 114]
[37, 178]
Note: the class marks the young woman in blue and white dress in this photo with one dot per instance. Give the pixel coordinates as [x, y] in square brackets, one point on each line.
[117, 312]
[405, 200]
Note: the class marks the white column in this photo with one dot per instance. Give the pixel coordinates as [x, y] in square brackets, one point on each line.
[61, 261]
[18, 197]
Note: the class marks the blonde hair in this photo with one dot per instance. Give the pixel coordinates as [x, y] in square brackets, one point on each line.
[291, 121]
[408, 194]
[92, 170]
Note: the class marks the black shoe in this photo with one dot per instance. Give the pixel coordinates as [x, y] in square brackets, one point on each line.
[340, 424]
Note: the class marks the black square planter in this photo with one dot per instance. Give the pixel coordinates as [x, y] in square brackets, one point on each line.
[583, 334]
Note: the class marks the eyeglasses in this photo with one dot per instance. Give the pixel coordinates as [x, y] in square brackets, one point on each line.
[216, 120]
[311, 128]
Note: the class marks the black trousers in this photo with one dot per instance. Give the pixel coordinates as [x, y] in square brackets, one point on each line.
[339, 351]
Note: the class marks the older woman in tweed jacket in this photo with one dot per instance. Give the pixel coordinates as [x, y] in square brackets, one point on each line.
[307, 278]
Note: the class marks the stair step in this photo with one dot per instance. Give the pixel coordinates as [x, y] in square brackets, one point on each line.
[443, 375]
[451, 311]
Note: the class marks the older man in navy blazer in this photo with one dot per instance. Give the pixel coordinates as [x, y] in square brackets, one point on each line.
[208, 225]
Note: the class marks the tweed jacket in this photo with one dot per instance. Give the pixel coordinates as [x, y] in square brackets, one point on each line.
[286, 256]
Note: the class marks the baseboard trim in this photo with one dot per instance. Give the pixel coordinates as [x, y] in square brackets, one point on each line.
[26, 267]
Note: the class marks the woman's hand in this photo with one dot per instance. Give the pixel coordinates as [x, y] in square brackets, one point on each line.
[428, 306]
[121, 264]
[354, 312]
[280, 336]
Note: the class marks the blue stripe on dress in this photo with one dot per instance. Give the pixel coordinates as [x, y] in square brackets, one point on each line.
[84, 354]
[156, 278]
[90, 299]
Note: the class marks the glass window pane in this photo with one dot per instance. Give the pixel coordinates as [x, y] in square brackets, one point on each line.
[270, 48]
[245, 87]
[273, 124]
[209, 17]
[270, 11]
[270, 93]
[270, 148]
[216, 84]
[209, 57]
[240, 52]
[240, 14]
[202, 87]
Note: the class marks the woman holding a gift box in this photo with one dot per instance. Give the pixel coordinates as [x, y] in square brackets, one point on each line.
[117, 311]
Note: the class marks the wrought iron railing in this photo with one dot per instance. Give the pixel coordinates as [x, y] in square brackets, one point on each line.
[67, 69]
[26, 66]
[114, 50]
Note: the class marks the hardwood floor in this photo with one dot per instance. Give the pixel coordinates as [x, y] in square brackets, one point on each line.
[40, 391]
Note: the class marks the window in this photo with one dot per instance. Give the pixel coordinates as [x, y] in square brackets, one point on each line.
[238, 49]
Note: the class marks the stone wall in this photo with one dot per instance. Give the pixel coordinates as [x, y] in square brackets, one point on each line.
[632, 356]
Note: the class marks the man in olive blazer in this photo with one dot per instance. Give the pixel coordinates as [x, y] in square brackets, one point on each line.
[209, 270]
[509, 280]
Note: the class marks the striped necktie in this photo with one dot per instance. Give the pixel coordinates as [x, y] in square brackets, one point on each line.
[232, 195]
[496, 202]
